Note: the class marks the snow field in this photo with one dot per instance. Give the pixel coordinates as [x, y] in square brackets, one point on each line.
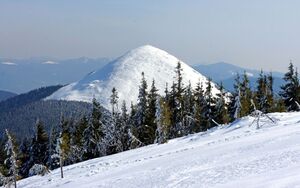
[235, 155]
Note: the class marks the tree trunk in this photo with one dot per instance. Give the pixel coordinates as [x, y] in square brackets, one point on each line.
[61, 168]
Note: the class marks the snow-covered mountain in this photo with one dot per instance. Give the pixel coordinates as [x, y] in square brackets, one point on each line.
[235, 155]
[124, 74]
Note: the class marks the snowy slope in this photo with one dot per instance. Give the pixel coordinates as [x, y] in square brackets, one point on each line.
[234, 155]
[124, 74]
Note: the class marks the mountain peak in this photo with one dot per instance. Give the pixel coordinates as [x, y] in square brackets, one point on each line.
[124, 74]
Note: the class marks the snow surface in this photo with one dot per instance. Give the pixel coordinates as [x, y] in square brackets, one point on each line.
[124, 74]
[235, 155]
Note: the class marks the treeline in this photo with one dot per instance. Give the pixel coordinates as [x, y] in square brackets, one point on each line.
[182, 110]
[21, 120]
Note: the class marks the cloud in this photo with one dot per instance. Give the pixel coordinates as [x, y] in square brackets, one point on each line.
[8, 63]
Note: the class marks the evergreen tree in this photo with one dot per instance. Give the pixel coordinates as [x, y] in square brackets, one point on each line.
[290, 91]
[24, 157]
[39, 147]
[163, 116]
[176, 103]
[140, 116]
[245, 96]
[12, 153]
[94, 134]
[188, 110]
[222, 115]
[199, 109]
[53, 156]
[77, 140]
[210, 105]
[65, 141]
[270, 93]
[114, 129]
[114, 100]
[151, 115]
[125, 126]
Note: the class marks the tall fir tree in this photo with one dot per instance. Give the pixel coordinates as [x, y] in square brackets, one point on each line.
[222, 114]
[290, 91]
[199, 109]
[140, 116]
[94, 134]
[209, 106]
[245, 96]
[12, 160]
[151, 114]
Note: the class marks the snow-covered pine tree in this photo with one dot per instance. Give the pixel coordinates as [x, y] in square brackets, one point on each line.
[209, 109]
[94, 134]
[222, 115]
[65, 141]
[163, 119]
[12, 153]
[24, 156]
[53, 156]
[290, 91]
[113, 132]
[151, 111]
[199, 109]
[270, 93]
[140, 116]
[234, 102]
[114, 101]
[77, 140]
[245, 96]
[125, 126]
[133, 141]
[188, 109]
[39, 147]
[176, 103]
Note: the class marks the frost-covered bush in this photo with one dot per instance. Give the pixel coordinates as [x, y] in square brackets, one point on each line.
[38, 169]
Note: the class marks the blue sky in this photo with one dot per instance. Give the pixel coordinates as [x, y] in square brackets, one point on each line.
[255, 34]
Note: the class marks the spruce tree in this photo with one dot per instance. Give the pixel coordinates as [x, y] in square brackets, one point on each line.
[290, 91]
[188, 110]
[12, 153]
[222, 115]
[245, 96]
[94, 134]
[140, 116]
[53, 157]
[24, 157]
[39, 146]
[210, 105]
[163, 119]
[199, 109]
[151, 114]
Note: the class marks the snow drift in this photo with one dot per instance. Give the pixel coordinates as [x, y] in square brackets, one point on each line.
[235, 155]
[124, 74]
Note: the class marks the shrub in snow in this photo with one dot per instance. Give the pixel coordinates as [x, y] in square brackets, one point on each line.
[38, 169]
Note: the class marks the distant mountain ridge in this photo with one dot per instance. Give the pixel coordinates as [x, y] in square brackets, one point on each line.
[226, 73]
[23, 75]
[6, 95]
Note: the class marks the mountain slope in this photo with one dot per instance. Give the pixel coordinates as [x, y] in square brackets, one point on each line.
[234, 155]
[125, 74]
[5, 95]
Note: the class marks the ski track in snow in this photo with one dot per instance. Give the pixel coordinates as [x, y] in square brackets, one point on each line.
[233, 155]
